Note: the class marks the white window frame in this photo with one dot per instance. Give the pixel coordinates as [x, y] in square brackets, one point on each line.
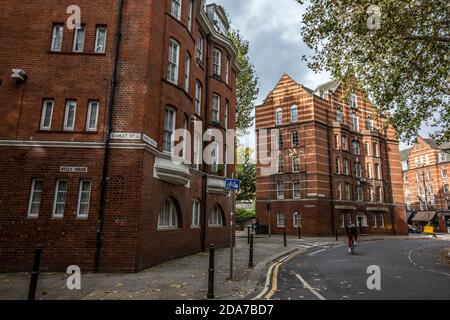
[173, 62]
[339, 116]
[294, 113]
[167, 113]
[348, 192]
[190, 15]
[294, 139]
[198, 98]
[297, 220]
[200, 47]
[187, 72]
[353, 102]
[278, 117]
[90, 115]
[215, 114]
[227, 106]
[44, 115]
[100, 49]
[339, 191]
[296, 164]
[280, 191]
[67, 126]
[371, 195]
[80, 194]
[215, 218]
[196, 209]
[444, 173]
[280, 165]
[342, 220]
[31, 201]
[359, 194]
[354, 121]
[58, 48]
[296, 190]
[172, 215]
[76, 43]
[176, 9]
[379, 195]
[381, 220]
[369, 170]
[281, 220]
[55, 199]
[377, 171]
[227, 71]
[338, 165]
[374, 221]
[217, 62]
[346, 167]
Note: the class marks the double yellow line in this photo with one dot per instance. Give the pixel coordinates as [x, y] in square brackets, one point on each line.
[271, 285]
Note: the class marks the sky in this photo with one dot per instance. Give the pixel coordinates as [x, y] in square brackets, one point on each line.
[273, 29]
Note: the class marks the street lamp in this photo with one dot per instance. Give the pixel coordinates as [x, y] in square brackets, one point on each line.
[425, 193]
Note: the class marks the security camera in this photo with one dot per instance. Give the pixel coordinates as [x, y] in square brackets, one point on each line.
[19, 75]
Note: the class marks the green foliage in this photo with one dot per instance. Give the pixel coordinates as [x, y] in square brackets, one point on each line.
[246, 172]
[244, 215]
[404, 66]
[247, 87]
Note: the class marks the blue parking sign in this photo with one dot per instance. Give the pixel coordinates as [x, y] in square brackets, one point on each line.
[232, 185]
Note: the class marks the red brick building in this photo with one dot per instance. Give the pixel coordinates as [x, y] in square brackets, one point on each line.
[86, 125]
[336, 163]
[426, 168]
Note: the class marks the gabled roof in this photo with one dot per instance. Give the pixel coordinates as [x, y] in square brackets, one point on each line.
[404, 154]
[328, 86]
[289, 84]
[433, 144]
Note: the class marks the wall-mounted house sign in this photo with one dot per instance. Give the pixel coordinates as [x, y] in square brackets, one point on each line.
[73, 169]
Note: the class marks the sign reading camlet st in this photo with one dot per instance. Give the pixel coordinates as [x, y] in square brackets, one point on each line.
[126, 136]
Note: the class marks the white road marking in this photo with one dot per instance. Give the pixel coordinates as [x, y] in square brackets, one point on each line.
[307, 286]
[311, 254]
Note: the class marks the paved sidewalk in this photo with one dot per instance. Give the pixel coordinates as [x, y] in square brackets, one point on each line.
[179, 279]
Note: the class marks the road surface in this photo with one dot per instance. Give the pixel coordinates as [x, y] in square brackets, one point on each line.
[410, 269]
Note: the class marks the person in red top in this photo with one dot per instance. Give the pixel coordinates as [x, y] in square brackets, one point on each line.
[352, 235]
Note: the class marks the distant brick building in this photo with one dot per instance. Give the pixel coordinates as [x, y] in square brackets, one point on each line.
[337, 163]
[85, 132]
[426, 169]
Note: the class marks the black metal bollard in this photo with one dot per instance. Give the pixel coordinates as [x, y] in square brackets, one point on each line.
[35, 273]
[250, 260]
[248, 235]
[284, 237]
[211, 273]
[336, 233]
[299, 232]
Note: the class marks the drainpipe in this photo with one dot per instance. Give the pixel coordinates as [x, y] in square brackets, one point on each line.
[104, 183]
[330, 173]
[206, 122]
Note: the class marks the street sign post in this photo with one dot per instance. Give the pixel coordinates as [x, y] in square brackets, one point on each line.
[232, 185]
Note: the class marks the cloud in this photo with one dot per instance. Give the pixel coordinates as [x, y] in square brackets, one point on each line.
[276, 47]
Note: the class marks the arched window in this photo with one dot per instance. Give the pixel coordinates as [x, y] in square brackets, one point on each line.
[278, 117]
[168, 217]
[280, 220]
[215, 218]
[294, 113]
[195, 214]
[297, 220]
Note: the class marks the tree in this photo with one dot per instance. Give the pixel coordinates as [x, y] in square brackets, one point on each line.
[398, 52]
[247, 86]
[246, 172]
